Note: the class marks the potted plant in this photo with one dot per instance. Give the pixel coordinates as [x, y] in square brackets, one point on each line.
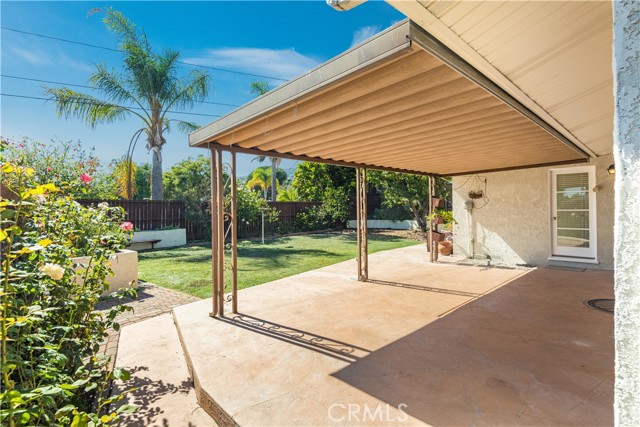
[436, 218]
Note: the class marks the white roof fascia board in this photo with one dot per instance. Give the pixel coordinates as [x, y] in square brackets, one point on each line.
[393, 41]
[434, 26]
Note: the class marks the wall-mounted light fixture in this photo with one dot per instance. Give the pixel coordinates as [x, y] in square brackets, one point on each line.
[611, 169]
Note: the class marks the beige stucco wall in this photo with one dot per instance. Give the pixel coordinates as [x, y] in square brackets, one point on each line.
[514, 226]
[124, 266]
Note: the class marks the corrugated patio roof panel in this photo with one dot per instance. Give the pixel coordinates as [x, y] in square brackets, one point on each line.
[398, 102]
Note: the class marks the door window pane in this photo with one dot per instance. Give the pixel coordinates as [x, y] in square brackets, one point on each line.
[573, 238]
[573, 181]
[573, 219]
[573, 200]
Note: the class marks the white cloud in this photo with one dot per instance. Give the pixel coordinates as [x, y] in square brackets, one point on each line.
[41, 57]
[33, 57]
[280, 63]
[363, 33]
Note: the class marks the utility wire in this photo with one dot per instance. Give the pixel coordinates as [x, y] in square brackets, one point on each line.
[118, 50]
[91, 87]
[115, 105]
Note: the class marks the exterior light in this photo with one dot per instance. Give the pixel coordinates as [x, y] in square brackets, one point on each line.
[611, 169]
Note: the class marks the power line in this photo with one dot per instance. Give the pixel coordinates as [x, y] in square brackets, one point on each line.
[91, 87]
[118, 50]
[132, 108]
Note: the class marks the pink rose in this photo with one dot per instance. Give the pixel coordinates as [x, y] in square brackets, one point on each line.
[126, 226]
[85, 178]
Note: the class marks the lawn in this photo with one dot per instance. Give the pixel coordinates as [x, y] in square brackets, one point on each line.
[188, 269]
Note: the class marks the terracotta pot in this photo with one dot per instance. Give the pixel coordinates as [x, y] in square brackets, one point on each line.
[437, 203]
[437, 237]
[445, 247]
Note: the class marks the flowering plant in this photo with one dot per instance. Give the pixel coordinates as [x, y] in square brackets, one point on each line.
[50, 332]
[66, 164]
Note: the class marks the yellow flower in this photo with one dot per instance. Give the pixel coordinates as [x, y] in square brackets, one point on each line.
[54, 271]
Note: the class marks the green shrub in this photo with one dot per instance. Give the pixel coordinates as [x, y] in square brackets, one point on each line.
[395, 213]
[333, 213]
[51, 373]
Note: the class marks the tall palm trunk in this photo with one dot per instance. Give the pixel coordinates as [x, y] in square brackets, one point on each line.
[155, 142]
[156, 175]
[274, 180]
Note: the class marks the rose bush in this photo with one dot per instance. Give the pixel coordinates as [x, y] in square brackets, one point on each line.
[51, 372]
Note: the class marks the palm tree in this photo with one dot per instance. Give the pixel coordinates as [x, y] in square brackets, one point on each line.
[149, 88]
[260, 178]
[288, 195]
[260, 88]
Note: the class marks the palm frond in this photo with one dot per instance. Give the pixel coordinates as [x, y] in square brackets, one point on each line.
[259, 88]
[185, 94]
[85, 107]
[126, 31]
[114, 86]
[182, 125]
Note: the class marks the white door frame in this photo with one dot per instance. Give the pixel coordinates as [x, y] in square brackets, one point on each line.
[589, 254]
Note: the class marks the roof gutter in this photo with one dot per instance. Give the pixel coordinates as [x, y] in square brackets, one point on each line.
[343, 5]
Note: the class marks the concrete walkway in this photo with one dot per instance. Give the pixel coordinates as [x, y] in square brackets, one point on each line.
[152, 301]
[163, 391]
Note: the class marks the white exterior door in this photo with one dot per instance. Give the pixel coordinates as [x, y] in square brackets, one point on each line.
[573, 213]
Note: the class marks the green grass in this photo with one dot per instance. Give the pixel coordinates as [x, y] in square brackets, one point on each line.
[188, 269]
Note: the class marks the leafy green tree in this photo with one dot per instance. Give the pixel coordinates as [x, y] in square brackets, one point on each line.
[68, 165]
[410, 191]
[149, 89]
[312, 180]
[142, 181]
[190, 180]
[260, 88]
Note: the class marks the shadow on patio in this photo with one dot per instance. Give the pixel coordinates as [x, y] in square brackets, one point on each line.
[529, 353]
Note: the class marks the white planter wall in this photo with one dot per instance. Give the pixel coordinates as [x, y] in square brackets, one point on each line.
[125, 270]
[387, 224]
[168, 238]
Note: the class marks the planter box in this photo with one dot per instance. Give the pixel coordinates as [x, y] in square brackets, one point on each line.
[387, 224]
[437, 220]
[437, 203]
[125, 270]
[168, 238]
[437, 237]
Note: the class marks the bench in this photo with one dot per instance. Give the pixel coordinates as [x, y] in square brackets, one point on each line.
[150, 242]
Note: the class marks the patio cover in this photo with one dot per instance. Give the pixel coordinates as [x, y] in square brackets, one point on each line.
[399, 101]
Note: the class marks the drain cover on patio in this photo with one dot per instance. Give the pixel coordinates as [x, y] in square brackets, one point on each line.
[602, 304]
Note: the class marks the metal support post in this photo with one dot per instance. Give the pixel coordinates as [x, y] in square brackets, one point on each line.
[361, 226]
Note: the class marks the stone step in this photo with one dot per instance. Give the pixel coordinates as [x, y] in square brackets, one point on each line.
[165, 395]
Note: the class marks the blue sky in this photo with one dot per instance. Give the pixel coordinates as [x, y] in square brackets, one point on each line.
[274, 39]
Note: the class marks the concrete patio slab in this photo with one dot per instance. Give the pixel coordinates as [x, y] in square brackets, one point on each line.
[419, 345]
